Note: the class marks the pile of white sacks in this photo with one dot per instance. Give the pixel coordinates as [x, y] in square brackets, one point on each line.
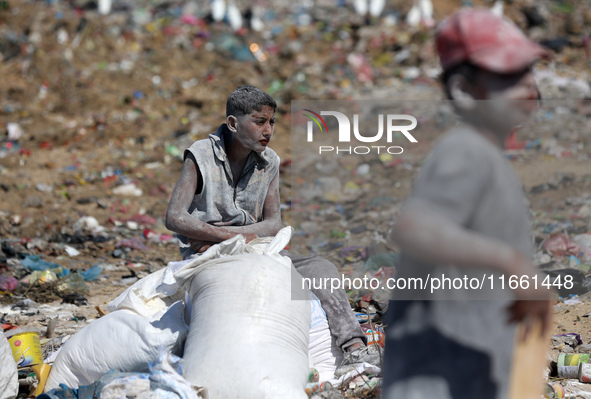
[228, 313]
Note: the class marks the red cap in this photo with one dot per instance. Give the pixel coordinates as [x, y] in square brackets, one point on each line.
[486, 40]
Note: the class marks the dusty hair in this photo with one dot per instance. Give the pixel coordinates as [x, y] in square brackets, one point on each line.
[246, 99]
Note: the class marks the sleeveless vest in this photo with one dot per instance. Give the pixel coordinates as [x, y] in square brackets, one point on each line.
[220, 200]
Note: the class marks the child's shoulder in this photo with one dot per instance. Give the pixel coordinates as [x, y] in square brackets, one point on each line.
[271, 154]
[462, 151]
[271, 157]
[464, 141]
[201, 145]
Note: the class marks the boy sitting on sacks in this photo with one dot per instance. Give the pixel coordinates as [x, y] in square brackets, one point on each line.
[467, 216]
[229, 185]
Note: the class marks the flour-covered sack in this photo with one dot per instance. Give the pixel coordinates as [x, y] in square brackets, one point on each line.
[247, 339]
[122, 340]
[325, 355]
[8, 372]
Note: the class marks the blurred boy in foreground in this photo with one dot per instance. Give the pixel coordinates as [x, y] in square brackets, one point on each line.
[467, 216]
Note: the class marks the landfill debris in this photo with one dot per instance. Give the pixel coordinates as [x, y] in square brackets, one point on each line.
[568, 364]
[128, 190]
[561, 245]
[566, 342]
[8, 283]
[101, 98]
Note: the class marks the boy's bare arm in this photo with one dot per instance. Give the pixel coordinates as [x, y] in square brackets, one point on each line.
[430, 237]
[178, 218]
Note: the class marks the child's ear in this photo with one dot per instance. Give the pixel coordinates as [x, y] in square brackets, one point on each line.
[460, 93]
[232, 123]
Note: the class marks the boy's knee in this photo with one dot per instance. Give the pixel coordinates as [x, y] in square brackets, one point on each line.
[314, 266]
[325, 267]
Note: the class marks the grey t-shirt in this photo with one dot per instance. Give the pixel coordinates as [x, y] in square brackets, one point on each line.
[467, 179]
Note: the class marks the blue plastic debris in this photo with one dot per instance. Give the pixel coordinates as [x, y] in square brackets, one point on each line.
[34, 262]
[92, 273]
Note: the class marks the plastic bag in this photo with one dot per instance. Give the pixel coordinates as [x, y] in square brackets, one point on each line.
[584, 241]
[559, 244]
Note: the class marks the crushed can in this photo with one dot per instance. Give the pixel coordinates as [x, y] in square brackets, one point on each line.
[313, 375]
[554, 391]
[585, 372]
[568, 364]
[375, 337]
[313, 387]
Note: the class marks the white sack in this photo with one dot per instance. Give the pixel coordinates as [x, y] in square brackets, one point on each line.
[8, 373]
[247, 338]
[152, 294]
[325, 355]
[121, 340]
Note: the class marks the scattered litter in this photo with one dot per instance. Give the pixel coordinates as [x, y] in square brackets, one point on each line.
[128, 190]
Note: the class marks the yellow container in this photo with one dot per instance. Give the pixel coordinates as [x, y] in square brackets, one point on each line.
[26, 349]
[42, 372]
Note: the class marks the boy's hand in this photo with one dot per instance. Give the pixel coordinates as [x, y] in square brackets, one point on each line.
[528, 311]
[249, 236]
[200, 246]
[530, 304]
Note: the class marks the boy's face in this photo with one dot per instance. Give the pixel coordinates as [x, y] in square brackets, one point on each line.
[511, 99]
[254, 131]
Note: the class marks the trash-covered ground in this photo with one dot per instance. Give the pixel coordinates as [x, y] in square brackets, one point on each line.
[96, 111]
